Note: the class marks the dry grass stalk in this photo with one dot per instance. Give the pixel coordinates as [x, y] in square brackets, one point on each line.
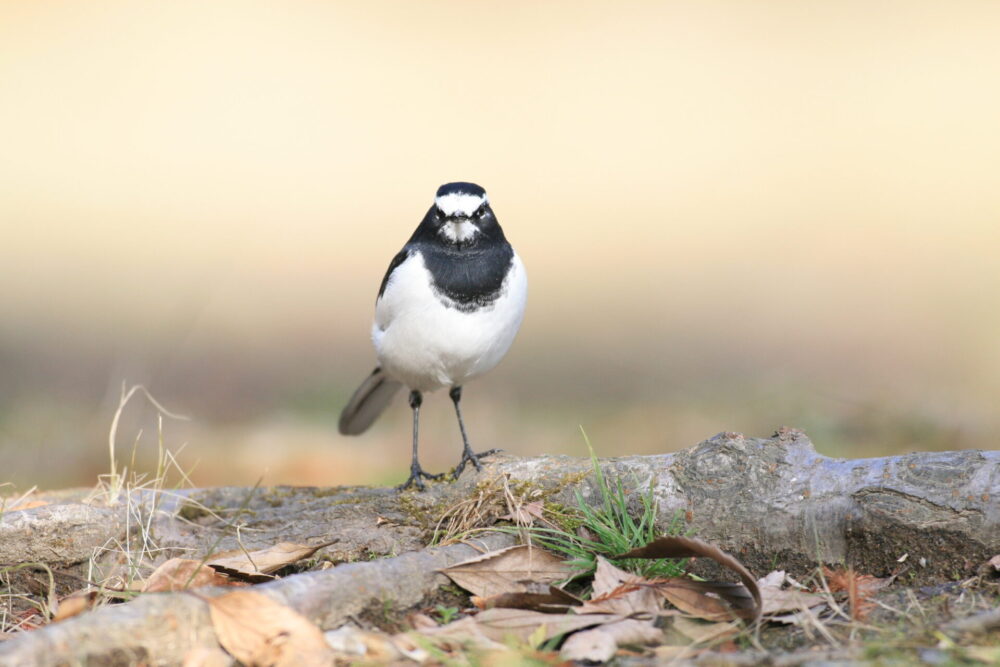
[479, 511]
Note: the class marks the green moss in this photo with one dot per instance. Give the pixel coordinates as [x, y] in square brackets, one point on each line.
[327, 491]
[568, 519]
[573, 478]
[424, 516]
[532, 490]
[193, 512]
[351, 500]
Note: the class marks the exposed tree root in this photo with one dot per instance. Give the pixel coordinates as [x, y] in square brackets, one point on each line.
[775, 503]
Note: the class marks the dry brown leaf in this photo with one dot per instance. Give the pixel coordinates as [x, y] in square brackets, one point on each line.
[690, 547]
[207, 657]
[501, 624]
[463, 633]
[775, 579]
[633, 632]
[555, 601]
[608, 578]
[74, 604]
[697, 599]
[264, 561]
[591, 645]
[411, 649]
[616, 591]
[419, 621]
[777, 600]
[178, 574]
[525, 515]
[260, 632]
[601, 643]
[371, 645]
[507, 570]
[703, 633]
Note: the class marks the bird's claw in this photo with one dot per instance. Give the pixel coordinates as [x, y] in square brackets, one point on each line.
[417, 477]
[469, 456]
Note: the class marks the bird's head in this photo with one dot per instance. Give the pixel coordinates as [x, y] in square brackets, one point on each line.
[461, 211]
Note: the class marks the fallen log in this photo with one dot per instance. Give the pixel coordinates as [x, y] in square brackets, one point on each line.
[162, 628]
[56, 535]
[778, 504]
[775, 503]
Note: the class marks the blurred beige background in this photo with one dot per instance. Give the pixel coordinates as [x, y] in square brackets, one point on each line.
[734, 215]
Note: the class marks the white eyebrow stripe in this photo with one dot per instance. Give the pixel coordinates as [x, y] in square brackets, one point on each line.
[459, 202]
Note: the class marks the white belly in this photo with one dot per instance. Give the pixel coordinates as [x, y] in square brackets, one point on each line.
[426, 345]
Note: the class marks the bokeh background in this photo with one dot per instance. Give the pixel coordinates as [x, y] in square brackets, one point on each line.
[735, 216]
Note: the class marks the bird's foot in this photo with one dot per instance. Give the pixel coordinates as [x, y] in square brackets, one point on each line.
[468, 456]
[417, 477]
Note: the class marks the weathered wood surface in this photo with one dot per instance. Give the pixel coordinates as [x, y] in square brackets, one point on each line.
[775, 503]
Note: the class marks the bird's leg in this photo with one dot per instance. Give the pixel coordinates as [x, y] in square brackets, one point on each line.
[467, 453]
[416, 472]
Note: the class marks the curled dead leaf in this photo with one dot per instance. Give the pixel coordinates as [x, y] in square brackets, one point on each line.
[700, 597]
[263, 561]
[712, 601]
[74, 604]
[178, 574]
[555, 601]
[259, 632]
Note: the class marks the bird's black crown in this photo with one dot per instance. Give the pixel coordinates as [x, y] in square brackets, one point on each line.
[460, 187]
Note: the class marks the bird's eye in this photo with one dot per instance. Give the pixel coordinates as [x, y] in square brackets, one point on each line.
[480, 212]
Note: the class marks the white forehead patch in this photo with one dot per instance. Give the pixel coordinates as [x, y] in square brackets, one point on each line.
[459, 202]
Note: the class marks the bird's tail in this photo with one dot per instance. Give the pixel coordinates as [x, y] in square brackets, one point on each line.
[367, 403]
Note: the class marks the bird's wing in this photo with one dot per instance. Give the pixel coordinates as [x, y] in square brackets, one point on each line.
[396, 261]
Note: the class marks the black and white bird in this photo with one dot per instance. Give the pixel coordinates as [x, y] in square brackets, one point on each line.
[447, 312]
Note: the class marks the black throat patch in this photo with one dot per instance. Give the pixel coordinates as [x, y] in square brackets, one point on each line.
[468, 279]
